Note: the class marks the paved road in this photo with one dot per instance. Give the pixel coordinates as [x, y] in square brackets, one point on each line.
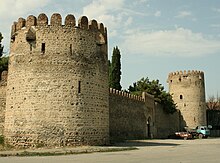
[150, 151]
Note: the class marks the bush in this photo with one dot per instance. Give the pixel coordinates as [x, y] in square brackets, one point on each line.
[1, 139]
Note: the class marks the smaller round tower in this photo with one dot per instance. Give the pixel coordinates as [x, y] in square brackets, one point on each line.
[188, 91]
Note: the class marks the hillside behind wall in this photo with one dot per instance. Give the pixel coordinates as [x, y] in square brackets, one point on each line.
[127, 116]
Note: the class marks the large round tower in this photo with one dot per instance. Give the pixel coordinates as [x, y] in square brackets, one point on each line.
[57, 90]
[188, 91]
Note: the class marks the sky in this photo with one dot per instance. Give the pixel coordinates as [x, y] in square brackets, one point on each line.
[155, 37]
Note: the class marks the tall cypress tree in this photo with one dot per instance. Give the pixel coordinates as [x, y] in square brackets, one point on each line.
[109, 73]
[115, 71]
[1, 47]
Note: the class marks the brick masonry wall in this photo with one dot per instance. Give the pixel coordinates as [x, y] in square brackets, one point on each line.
[57, 92]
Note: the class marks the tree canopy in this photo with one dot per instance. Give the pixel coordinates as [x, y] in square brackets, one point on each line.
[157, 90]
[3, 64]
[115, 70]
[3, 60]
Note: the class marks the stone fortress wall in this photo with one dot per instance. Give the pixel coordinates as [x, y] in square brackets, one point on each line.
[127, 114]
[188, 91]
[3, 89]
[139, 117]
[57, 89]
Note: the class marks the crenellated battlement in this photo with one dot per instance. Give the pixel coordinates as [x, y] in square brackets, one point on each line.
[55, 21]
[125, 94]
[186, 73]
[85, 40]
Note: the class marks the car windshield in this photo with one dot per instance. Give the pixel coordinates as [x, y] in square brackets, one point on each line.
[203, 128]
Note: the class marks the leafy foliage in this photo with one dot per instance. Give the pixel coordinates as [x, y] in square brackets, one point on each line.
[154, 88]
[1, 47]
[115, 70]
[1, 139]
[109, 73]
[3, 64]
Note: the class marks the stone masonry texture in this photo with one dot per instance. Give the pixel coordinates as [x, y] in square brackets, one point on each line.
[130, 117]
[188, 90]
[3, 84]
[57, 92]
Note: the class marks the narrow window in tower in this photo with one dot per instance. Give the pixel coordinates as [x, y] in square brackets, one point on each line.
[181, 97]
[71, 49]
[79, 86]
[171, 81]
[30, 47]
[43, 48]
[180, 79]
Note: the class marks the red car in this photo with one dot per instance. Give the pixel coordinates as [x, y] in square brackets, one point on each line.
[181, 135]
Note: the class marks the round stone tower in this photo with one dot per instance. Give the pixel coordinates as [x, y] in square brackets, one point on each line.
[57, 90]
[188, 91]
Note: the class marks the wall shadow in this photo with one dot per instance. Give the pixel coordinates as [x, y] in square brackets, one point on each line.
[143, 143]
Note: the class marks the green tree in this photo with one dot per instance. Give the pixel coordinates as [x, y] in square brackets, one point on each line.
[3, 64]
[109, 73]
[1, 47]
[3, 60]
[157, 90]
[115, 70]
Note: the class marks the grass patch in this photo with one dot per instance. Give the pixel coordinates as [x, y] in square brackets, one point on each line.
[69, 152]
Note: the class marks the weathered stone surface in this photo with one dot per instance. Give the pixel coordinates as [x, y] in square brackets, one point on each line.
[57, 90]
[188, 90]
[31, 21]
[3, 89]
[57, 93]
[131, 117]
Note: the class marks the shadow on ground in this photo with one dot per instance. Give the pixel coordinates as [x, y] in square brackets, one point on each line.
[133, 143]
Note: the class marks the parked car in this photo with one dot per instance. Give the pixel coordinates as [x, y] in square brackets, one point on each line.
[199, 132]
[181, 135]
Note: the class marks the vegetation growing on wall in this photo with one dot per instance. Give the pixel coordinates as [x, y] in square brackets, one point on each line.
[115, 70]
[1, 140]
[154, 88]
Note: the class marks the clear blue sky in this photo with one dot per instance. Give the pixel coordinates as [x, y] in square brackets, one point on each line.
[155, 36]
